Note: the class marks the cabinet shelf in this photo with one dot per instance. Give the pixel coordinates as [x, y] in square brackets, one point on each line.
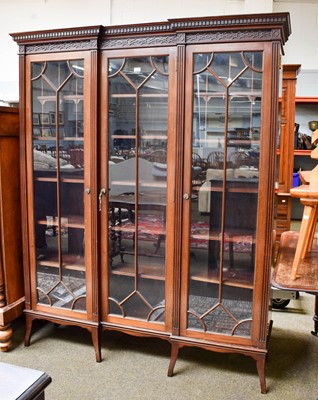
[131, 229]
[72, 97]
[236, 95]
[133, 95]
[73, 138]
[70, 261]
[143, 137]
[73, 221]
[236, 279]
[72, 176]
[231, 235]
[233, 278]
[44, 138]
[62, 180]
[156, 272]
[156, 184]
[53, 138]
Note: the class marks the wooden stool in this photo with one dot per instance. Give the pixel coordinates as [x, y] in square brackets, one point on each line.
[309, 198]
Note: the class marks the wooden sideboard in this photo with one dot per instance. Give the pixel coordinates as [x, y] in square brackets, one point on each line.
[11, 267]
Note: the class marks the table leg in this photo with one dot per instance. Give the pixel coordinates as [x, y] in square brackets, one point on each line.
[315, 318]
[312, 230]
[302, 244]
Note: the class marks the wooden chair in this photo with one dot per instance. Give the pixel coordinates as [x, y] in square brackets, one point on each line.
[308, 195]
[215, 160]
[240, 158]
[159, 156]
[198, 171]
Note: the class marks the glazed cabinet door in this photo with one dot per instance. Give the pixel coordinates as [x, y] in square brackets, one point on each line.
[58, 145]
[227, 222]
[136, 199]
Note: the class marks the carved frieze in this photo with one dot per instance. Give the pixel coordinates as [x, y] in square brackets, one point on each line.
[61, 46]
[139, 41]
[232, 36]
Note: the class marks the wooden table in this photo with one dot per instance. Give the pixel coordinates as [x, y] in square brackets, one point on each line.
[19, 383]
[307, 281]
[240, 200]
[123, 207]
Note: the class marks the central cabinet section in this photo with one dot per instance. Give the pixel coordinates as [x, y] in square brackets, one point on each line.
[138, 151]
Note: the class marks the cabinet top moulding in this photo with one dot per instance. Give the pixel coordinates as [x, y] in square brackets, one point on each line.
[234, 28]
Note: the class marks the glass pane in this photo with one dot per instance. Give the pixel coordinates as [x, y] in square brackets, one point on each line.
[225, 147]
[254, 59]
[58, 162]
[138, 124]
[227, 66]
[201, 61]
[57, 72]
[37, 69]
[77, 66]
[161, 64]
[137, 69]
[115, 65]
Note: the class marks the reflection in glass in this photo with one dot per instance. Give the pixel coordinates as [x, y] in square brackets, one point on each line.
[58, 173]
[137, 171]
[227, 93]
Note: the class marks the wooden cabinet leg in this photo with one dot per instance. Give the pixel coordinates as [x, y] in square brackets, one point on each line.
[28, 329]
[96, 343]
[260, 365]
[315, 318]
[5, 337]
[173, 357]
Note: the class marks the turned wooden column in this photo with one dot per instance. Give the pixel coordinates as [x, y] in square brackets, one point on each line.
[286, 149]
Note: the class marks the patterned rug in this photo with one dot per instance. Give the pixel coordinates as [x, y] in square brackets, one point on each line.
[230, 317]
[152, 226]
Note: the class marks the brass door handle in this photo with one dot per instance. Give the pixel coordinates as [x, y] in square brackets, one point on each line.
[186, 196]
[102, 191]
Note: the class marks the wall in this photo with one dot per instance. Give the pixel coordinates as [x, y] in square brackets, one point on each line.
[22, 15]
[302, 48]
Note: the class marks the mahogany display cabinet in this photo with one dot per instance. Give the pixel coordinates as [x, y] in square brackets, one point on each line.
[148, 159]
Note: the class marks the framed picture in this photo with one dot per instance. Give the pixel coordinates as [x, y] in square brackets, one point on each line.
[46, 132]
[36, 131]
[45, 119]
[52, 118]
[61, 118]
[35, 119]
